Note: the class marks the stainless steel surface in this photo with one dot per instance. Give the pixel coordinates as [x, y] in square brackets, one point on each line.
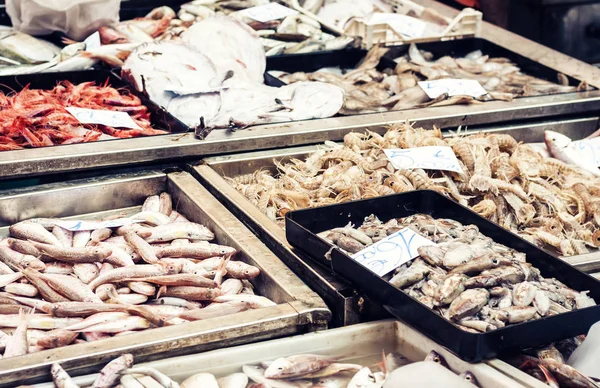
[299, 309]
[74, 157]
[360, 344]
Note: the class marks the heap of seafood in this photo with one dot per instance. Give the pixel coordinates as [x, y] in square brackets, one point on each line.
[61, 287]
[216, 79]
[466, 277]
[548, 364]
[296, 371]
[369, 89]
[552, 204]
[38, 118]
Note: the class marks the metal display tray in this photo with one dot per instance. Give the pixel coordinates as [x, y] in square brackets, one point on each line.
[298, 308]
[358, 343]
[302, 227]
[346, 304]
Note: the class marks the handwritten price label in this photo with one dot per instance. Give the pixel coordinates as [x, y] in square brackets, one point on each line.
[390, 253]
[109, 118]
[452, 87]
[268, 12]
[429, 158]
[588, 150]
[406, 26]
[75, 225]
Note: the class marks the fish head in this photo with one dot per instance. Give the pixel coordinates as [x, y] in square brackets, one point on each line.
[555, 139]
[278, 369]
[434, 356]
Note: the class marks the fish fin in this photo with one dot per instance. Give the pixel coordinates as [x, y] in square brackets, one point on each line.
[161, 290]
[384, 365]
[222, 270]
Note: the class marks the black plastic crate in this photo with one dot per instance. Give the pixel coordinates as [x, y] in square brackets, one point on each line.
[159, 117]
[303, 225]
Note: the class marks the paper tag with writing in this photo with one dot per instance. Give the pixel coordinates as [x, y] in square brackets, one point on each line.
[92, 41]
[452, 87]
[588, 150]
[77, 225]
[429, 158]
[406, 26]
[390, 253]
[268, 12]
[110, 118]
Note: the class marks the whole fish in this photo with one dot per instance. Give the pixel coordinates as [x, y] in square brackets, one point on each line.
[71, 287]
[255, 301]
[178, 230]
[65, 236]
[257, 375]
[193, 293]
[110, 374]
[183, 279]
[137, 271]
[151, 217]
[195, 251]
[97, 318]
[76, 255]
[47, 292]
[297, 365]
[57, 338]
[215, 310]
[18, 261]
[35, 232]
[37, 321]
[22, 289]
[144, 249]
[24, 247]
[17, 344]
[125, 324]
[61, 378]
[560, 148]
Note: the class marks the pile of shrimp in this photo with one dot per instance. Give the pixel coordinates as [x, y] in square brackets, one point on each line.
[553, 205]
[38, 118]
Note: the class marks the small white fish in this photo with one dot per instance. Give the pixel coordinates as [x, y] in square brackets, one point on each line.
[365, 378]
[560, 148]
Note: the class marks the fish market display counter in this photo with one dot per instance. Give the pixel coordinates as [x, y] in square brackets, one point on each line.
[359, 344]
[294, 307]
[347, 306]
[182, 146]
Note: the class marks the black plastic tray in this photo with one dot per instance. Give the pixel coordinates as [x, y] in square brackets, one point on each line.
[303, 225]
[160, 118]
[347, 59]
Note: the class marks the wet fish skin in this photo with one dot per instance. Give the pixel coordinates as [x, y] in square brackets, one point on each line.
[111, 372]
[216, 310]
[195, 251]
[31, 231]
[138, 271]
[468, 303]
[57, 338]
[65, 236]
[18, 261]
[143, 248]
[77, 255]
[61, 378]
[178, 230]
[17, 344]
[297, 365]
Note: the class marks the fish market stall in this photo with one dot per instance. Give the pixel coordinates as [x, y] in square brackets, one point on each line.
[88, 330]
[272, 135]
[401, 344]
[222, 174]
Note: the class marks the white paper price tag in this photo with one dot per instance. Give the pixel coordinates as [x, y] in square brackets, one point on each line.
[268, 12]
[110, 118]
[77, 225]
[429, 158]
[452, 87]
[92, 41]
[388, 254]
[406, 26]
[588, 150]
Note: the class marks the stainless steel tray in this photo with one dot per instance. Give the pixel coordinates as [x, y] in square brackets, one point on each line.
[358, 343]
[174, 147]
[347, 306]
[298, 310]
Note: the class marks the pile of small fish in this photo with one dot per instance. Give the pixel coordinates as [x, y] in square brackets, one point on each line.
[547, 364]
[552, 204]
[38, 118]
[216, 79]
[156, 269]
[369, 90]
[297, 371]
[466, 277]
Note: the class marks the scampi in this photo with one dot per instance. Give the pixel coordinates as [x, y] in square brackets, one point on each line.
[480, 285]
[108, 281]
[552, 204]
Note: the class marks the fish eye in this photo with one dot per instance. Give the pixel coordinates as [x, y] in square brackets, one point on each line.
[280, 368]
[495, 261]
[436, 359]
[468, 377]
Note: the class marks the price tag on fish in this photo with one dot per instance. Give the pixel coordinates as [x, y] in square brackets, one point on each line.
[406, 26]
[109, 118]
[267, 12]
[77, 225]
[429, 158]
[390, 253]
[452, 87]
[92, 41]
